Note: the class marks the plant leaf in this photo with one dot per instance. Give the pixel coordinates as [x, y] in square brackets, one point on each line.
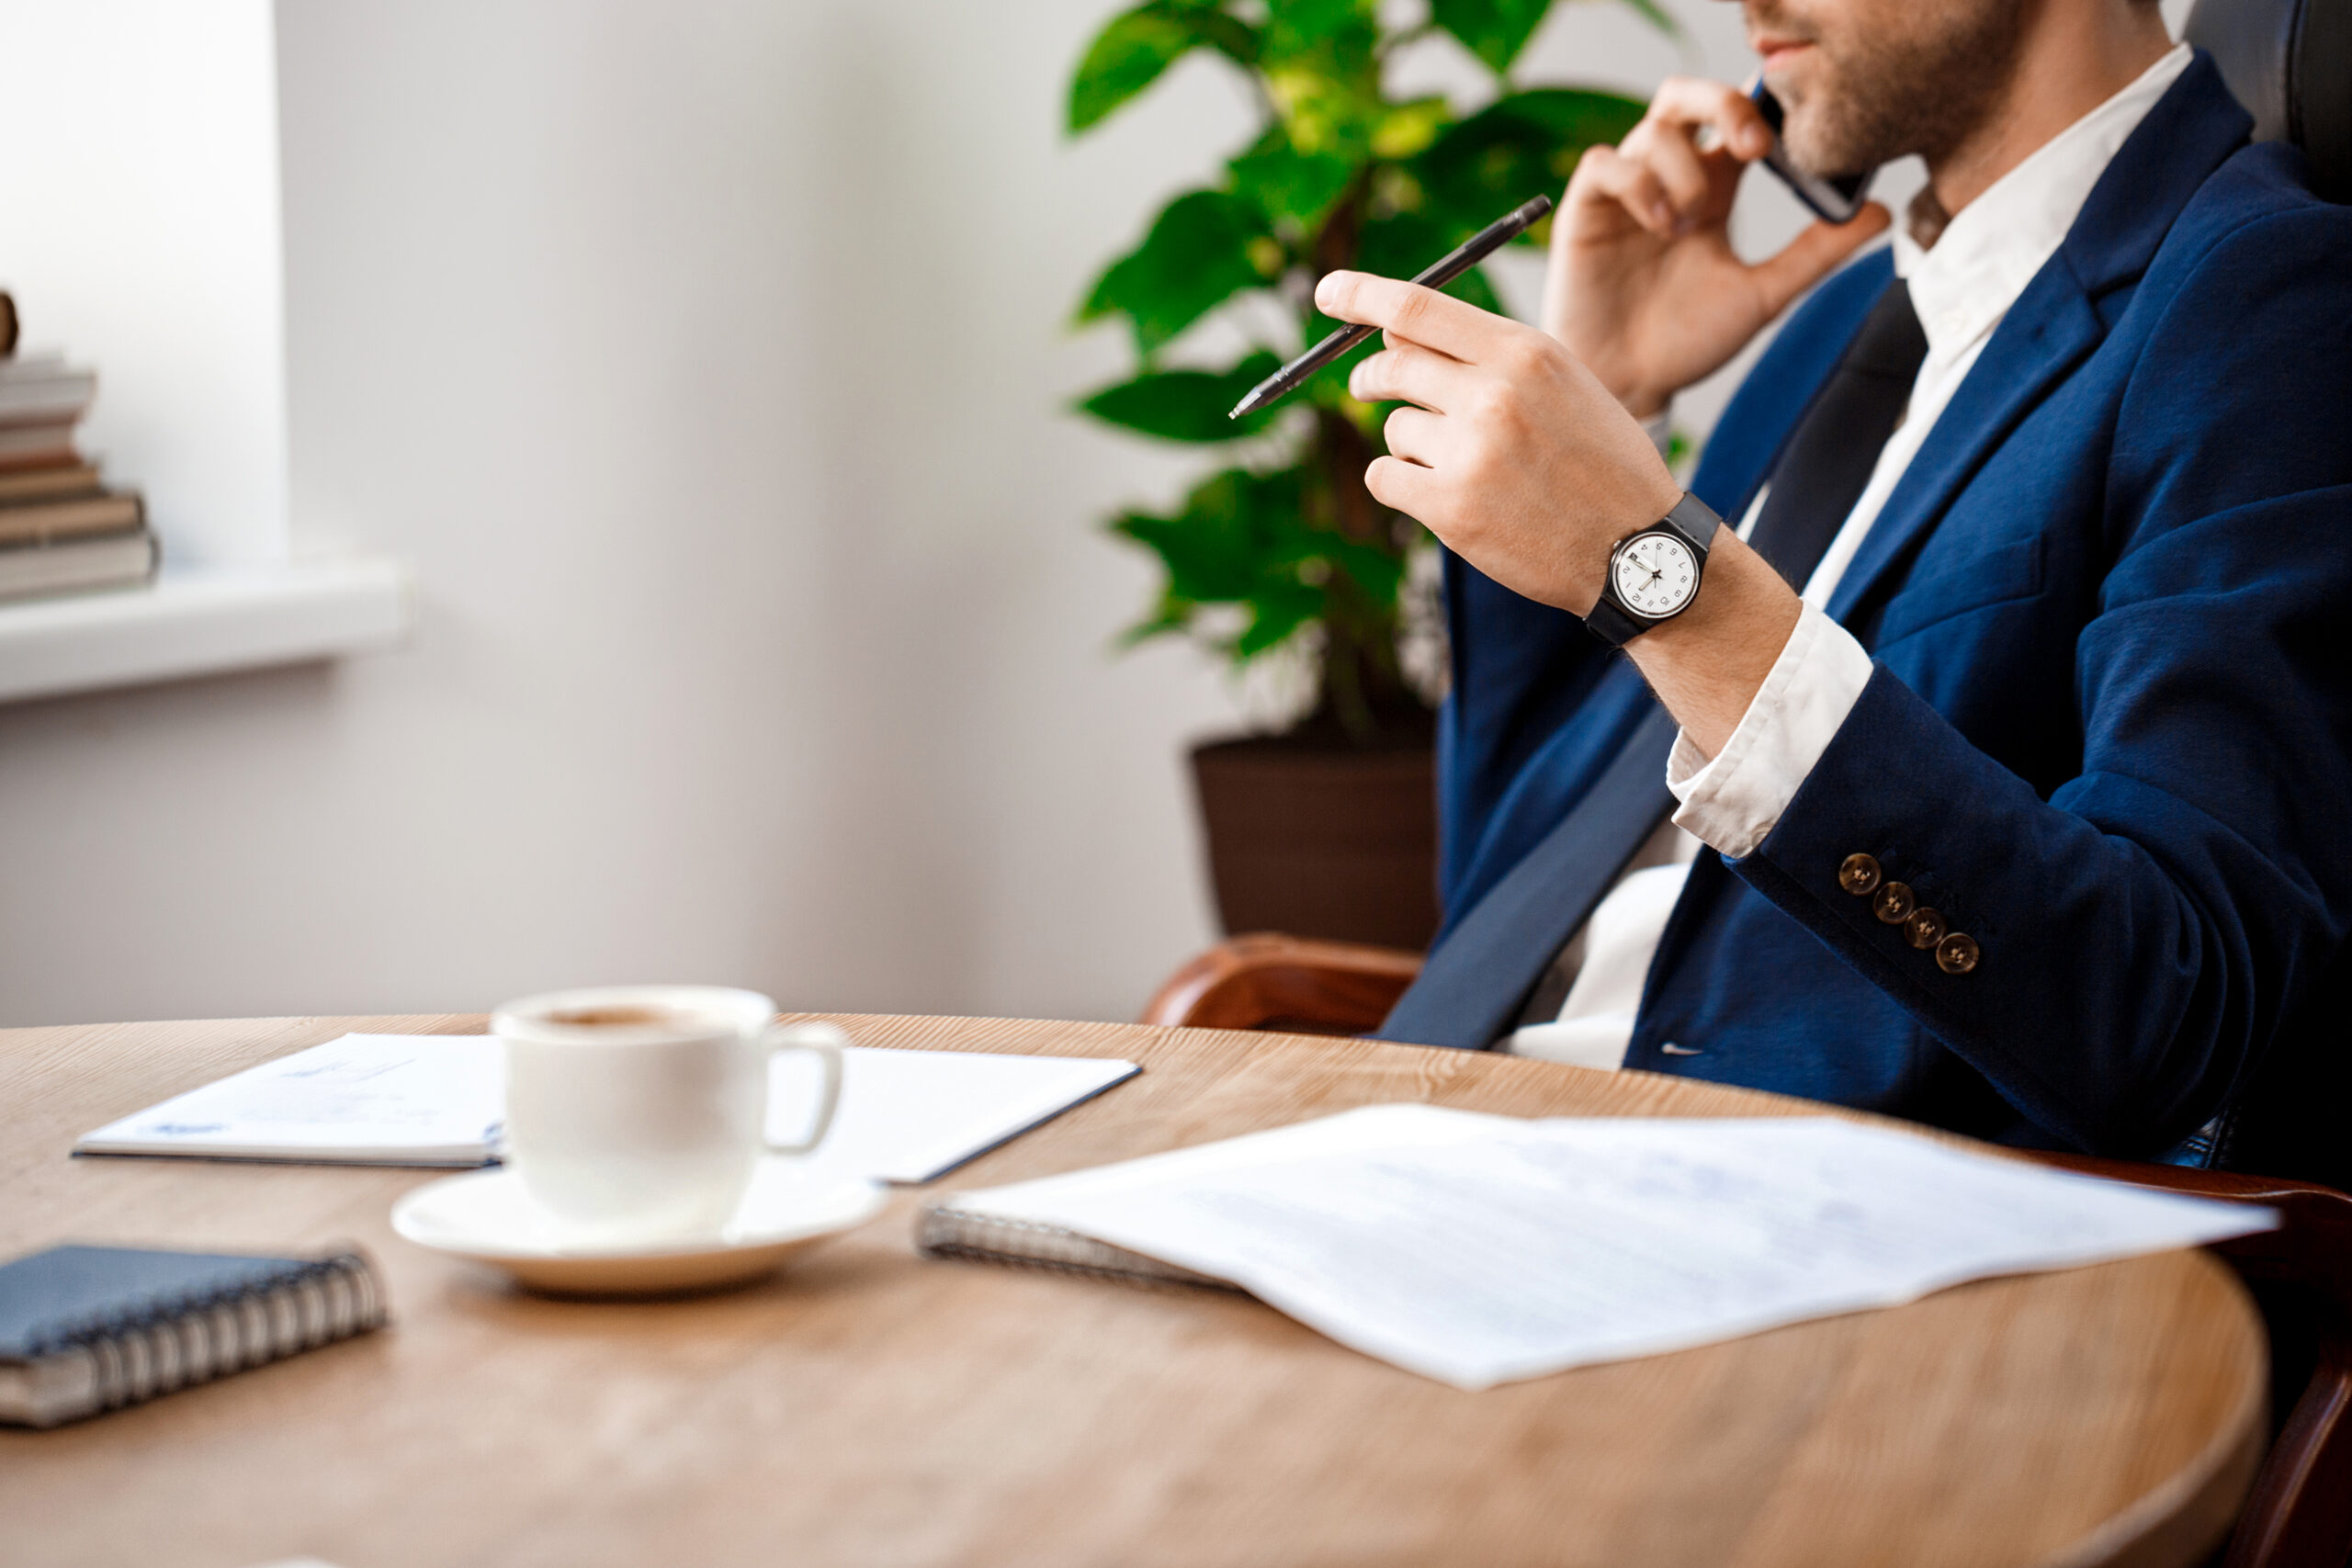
[1186, 405]
[1319, 63]
[1409, 128]
[1521, 145]
[1227, 538]
[1286, 184]
[1244, 539]
[1197, 255]
[1134, 47]
[1403, 243]
[1494, 31]
[1125, 56]
[1298, 26]
[1171, 616]
[1277, 611]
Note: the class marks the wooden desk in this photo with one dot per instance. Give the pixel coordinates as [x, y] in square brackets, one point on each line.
[873, 1408]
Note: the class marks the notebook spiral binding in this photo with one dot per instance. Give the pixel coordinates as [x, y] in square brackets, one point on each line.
[947, 1232]
[177, 1340]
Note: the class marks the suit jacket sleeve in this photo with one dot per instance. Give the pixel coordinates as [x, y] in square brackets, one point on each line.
[1521, 670]
[2144, 928]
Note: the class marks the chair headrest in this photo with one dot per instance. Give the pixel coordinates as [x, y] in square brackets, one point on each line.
[2289, 62]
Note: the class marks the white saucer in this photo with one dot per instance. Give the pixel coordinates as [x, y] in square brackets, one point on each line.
[487, 1217]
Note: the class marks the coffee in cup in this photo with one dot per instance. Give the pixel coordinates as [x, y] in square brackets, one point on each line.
[639, 1113]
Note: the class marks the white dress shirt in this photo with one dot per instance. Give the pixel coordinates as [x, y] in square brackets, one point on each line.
[1987, 254]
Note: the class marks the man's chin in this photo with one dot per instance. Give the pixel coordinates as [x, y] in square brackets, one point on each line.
[1810, 143]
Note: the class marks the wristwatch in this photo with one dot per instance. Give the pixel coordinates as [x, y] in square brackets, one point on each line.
[1654, 572]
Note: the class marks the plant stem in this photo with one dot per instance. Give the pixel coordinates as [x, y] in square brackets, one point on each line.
[1361, 677]
[1345, 455]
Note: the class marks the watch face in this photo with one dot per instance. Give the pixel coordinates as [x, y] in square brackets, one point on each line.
[1654, 574]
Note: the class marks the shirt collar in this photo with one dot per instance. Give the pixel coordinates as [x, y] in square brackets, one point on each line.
[1991, 248]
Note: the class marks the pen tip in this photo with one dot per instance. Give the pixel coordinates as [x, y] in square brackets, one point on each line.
[1244, 406]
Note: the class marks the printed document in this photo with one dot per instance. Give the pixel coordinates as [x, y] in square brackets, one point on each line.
[1480, 1250]
[437, 1100]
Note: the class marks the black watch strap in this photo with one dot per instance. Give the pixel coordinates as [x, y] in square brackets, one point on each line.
[1612, 625]
[1696, 521]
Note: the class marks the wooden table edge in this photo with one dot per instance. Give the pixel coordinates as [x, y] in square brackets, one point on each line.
[2172, 1524]
[2182, 1518]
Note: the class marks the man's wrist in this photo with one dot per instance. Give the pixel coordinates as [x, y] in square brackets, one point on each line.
[1708, 663]
[1733, 800]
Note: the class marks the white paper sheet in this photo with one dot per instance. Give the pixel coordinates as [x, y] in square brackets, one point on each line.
[361, 1100]
[913, 1115]
[437, 1100]
[1482, 1249]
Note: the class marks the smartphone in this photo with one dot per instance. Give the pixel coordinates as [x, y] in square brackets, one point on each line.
[1837, 201]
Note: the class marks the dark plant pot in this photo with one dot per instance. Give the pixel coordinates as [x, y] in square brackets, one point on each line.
[1315, 839]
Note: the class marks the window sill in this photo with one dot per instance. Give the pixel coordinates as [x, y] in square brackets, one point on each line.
[202, 622]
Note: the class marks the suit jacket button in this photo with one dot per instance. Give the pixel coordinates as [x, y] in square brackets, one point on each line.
[1925, 928]
[1893, 903]
[1858, 875]
[1957, 953]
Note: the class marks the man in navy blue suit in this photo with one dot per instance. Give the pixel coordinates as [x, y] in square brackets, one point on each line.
[1974, 743]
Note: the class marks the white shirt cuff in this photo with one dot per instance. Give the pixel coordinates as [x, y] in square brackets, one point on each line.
[1732, 802]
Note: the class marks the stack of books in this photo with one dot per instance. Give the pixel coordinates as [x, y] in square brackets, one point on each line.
[62, 531]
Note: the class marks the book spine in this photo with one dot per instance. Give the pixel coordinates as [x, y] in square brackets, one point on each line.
[30, 525]
[55, 449]
[333, 1299]
[946, 1231]
[124, 558]
[54, 396]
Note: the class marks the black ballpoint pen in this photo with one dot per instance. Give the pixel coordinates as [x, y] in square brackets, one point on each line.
[1453, 265]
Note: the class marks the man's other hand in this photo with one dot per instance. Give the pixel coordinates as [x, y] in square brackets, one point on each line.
[1643, 283]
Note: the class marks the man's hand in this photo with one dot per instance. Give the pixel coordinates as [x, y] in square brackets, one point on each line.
[1644, 285]
[1517, 457]
[1511, 452]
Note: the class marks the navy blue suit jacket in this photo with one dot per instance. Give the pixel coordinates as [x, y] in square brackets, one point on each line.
[2108, 732]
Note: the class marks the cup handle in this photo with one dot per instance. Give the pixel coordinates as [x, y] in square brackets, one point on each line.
[824, 1041]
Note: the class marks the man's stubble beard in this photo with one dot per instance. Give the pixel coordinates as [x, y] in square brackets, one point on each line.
[1892, 77]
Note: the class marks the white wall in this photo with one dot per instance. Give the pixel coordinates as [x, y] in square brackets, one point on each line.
[139, 229]
[708, 362]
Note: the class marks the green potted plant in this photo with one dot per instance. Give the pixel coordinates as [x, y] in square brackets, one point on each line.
[1328, 828]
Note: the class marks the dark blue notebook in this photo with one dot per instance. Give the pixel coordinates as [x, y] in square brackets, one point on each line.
[88, 1328]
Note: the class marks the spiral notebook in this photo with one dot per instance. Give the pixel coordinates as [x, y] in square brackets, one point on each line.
[89, 1328]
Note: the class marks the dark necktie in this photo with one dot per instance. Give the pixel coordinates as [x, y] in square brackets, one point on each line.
[1475, 981]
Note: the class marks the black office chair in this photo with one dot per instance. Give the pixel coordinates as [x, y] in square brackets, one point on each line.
[2289, 62]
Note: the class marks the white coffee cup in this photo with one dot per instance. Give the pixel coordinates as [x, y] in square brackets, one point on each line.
[639, 1113]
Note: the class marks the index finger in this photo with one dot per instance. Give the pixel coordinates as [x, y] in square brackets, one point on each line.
[1732, 115]
[1412, 313]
